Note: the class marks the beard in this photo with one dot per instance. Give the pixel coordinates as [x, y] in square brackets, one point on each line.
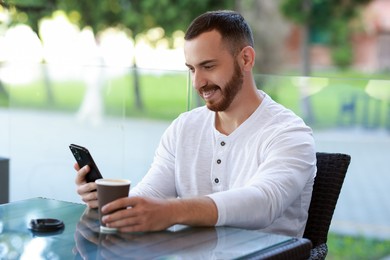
[229, 92]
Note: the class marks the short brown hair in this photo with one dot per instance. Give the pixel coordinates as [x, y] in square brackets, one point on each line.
[231, 25]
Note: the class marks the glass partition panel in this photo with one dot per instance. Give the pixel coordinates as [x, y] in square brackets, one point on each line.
[4, 118]
[52, 106]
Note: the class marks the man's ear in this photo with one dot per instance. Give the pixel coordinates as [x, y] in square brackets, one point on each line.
[247, 58]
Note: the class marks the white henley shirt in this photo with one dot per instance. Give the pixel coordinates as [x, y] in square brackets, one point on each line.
[260, 176]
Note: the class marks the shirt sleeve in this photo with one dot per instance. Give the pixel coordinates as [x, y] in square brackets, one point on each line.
[159, 181]
[287, 169]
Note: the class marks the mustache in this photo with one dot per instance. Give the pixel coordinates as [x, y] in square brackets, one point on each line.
[208, 88]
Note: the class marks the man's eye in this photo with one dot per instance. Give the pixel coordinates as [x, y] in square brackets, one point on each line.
[209, 67]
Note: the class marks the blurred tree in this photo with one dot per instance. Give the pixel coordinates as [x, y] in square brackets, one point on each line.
[133, 16]
[30, 12]
[138, 16]
[332, 17]
[269, 32]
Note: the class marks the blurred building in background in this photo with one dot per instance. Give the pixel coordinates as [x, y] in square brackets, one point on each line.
[370, 44]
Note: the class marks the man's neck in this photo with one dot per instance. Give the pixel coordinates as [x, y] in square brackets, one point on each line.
[240, 110]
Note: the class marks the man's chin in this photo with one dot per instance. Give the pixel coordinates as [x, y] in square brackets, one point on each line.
[211, 107]
[215, 107]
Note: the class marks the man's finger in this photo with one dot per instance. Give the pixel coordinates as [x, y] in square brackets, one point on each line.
[80, 179]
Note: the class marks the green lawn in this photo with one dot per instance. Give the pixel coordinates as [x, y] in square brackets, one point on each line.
[163, 97]
[332, 101]
[355, 248]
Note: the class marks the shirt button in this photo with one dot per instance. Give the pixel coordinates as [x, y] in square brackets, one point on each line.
[223, 143]
[219, 161]
[216, 180]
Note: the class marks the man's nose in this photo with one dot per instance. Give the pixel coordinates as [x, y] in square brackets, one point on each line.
[198, 80]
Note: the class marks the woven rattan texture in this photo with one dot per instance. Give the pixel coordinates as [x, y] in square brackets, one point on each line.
[331, 171]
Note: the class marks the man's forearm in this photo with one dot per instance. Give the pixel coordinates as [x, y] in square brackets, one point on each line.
[200, 211]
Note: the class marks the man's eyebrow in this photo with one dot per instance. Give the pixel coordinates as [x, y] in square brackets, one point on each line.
[203, 63]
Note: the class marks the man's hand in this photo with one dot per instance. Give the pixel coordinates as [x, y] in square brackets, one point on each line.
[87, 191]
[139, 214]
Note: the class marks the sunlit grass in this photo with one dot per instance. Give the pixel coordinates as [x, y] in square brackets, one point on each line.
[349, 247]
[164, 97]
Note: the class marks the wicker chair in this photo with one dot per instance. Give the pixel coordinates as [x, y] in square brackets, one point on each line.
[331, 170]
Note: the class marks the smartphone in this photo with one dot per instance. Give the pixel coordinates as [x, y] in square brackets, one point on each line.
[83, 157]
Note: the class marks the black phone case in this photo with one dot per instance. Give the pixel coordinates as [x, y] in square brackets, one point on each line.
[83, 157]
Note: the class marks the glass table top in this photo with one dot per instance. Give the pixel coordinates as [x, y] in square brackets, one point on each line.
[81, 239]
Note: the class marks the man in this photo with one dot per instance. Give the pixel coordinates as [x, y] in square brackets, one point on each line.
[242, 160]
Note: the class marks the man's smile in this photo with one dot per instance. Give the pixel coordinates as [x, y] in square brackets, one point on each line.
[208, 92]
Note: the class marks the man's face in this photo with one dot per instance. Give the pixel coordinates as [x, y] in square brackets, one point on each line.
[216, 75]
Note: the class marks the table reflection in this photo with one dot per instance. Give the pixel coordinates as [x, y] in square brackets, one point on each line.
[177, 240]
[181, 242]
